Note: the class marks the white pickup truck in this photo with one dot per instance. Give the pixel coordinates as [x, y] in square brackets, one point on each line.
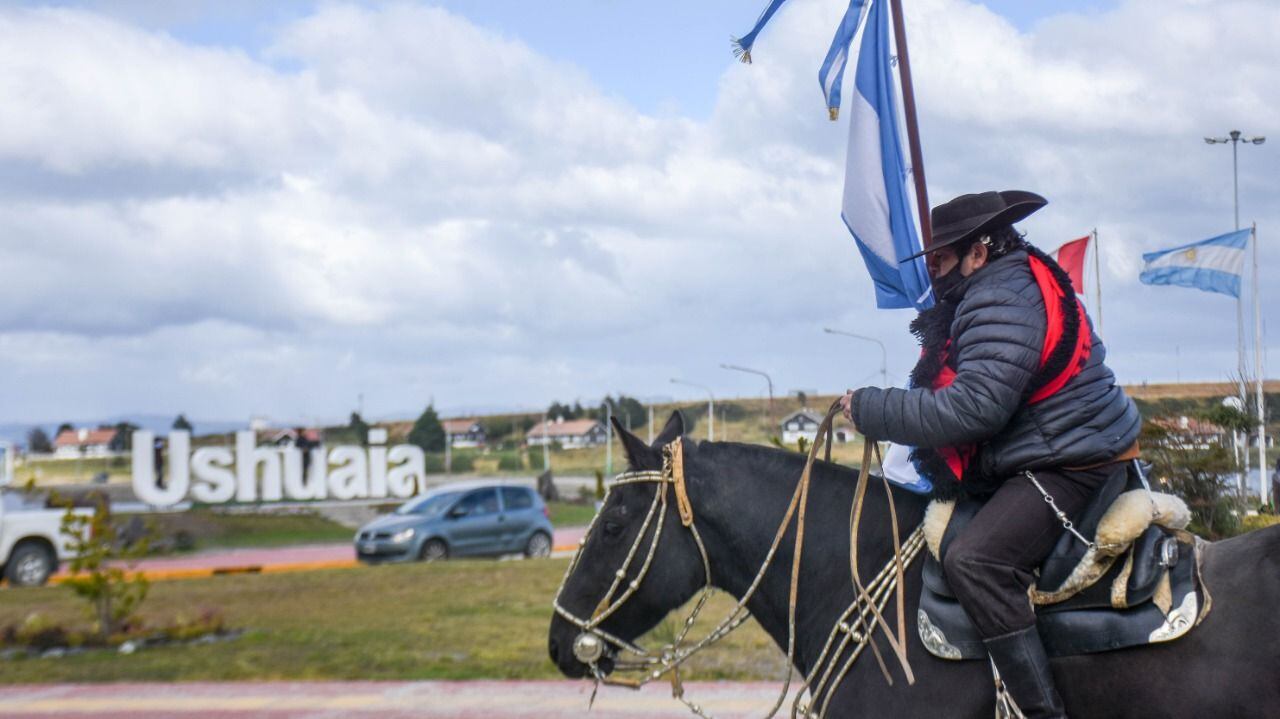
[31, 540]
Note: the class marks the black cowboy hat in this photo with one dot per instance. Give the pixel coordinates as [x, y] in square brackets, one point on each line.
[969, 215]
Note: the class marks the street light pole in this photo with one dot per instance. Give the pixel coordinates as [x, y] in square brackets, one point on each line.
[1264, 483]
[767, 378]
[884, 353]
[711, 406]
[1235, 137]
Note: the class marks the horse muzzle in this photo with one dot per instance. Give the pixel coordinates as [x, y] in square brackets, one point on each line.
[586, 651]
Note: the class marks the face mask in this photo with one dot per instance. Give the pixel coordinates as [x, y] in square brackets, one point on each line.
[944, 284]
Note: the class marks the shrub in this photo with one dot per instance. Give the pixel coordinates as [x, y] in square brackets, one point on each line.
[37, 632]
[95, 572]
[208, 621]
[462, 462]
[434, 463]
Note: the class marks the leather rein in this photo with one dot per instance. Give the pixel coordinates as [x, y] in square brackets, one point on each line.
[851, 633]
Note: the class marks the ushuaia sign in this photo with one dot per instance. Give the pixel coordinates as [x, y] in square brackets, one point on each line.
[250, 473]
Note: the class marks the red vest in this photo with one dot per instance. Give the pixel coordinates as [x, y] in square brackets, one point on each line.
[958, 458]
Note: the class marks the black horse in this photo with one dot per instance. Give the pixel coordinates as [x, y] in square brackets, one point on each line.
[1229, 666]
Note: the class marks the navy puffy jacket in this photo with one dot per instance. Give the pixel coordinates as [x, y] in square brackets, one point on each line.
[996, 340]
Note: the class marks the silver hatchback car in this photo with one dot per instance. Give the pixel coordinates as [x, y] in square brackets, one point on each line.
[459, 520]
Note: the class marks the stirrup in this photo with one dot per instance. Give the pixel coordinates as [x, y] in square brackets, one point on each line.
[1006, 707]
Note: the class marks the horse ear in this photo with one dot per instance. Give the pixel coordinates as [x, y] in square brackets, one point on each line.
[674, 428]
[639, 454]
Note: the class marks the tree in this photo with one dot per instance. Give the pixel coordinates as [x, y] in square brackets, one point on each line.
[802, 398]
[95, 571]
[564, 410]
[38, 442]
[1202, 477]
[427, 431]
[123, 439]
[360, 429]
[1229, 418]
[181, 423]
[628, 410]
[64, 427]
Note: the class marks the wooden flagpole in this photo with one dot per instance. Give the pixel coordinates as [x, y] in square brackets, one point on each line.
[913, 129]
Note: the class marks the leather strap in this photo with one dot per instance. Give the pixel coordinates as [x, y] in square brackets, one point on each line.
[677, 478]
[1133, 452]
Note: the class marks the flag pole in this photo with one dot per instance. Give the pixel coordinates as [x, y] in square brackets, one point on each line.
[1257, 366]
[1097, 277]
[913, 130]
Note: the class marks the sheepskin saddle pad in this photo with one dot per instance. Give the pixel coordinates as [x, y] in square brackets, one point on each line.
[1139, 582]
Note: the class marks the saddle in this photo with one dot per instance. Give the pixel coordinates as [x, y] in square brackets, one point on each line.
[1137, 582]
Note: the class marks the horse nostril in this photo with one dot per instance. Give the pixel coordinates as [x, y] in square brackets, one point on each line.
[554, 648]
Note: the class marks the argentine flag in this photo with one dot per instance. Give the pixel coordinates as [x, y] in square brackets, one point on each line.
[877, 206]
[1212, 265]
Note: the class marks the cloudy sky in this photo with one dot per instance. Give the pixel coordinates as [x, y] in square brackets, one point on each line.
[223, 210]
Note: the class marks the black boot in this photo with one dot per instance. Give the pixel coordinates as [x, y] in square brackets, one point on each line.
[1024, 669]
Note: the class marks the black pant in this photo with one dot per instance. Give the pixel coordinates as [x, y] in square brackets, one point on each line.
[989, 564]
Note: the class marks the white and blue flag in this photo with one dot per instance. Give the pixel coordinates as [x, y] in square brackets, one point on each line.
[1212, 265]
[877, 205]
[877, 201]
[831, 74]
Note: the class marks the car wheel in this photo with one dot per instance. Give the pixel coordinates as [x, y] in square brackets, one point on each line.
[29, 566]
[433, 550]
[538, 546]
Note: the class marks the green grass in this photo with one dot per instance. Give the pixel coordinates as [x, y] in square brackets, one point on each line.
[46, 472]
[1258, 521]
[455, 620]
[568, 514]
[211, 529]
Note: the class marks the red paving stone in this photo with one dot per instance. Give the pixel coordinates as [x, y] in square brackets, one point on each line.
[230, 558]
[388, 700]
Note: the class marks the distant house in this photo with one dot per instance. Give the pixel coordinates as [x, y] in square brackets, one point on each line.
[464, 432]
[72, 443]
[289, 437]
[801, 423]
[1192, 432]
[570, 434]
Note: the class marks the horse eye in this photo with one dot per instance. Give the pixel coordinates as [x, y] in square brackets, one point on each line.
[612, 529]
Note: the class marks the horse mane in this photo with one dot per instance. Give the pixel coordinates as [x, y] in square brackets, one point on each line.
[775, 460]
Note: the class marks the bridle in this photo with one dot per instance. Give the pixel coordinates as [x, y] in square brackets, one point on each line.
[850, 634]
[589, 646]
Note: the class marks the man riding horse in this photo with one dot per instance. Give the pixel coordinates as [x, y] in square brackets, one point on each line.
[1011, 378]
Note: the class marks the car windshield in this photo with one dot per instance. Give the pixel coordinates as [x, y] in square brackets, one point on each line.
[429, 506]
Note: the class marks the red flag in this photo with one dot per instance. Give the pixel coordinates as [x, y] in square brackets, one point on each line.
[1071, 258]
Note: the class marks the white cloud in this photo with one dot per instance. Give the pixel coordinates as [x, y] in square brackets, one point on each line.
[420, 207]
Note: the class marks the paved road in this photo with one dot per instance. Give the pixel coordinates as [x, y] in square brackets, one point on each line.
[279, 559]
[385, 700]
